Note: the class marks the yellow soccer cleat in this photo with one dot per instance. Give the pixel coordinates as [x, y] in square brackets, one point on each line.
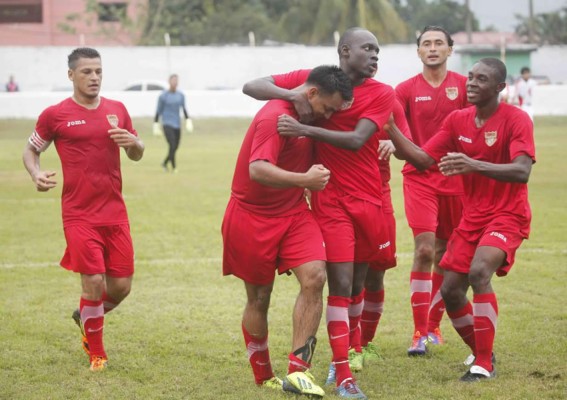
[302, 383]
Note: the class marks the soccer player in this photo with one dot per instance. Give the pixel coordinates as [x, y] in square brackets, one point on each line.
[170, 102]
[371, 308]
[523, 93]
[491, 146]
[268, 226]
[432, 201]
[349, 210]
[88, 131]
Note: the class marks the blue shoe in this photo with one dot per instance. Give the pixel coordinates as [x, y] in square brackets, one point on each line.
[349, 390]
[435, 337]
[332, 375]
[418, 346]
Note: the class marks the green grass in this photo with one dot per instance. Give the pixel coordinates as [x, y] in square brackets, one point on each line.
[178, 334]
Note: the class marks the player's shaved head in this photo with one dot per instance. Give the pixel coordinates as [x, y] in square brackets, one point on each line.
[498, 66]
[349, 35]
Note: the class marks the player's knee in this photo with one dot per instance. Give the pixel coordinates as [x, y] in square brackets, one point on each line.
[479, 279]
[424, 255]
[315, 279]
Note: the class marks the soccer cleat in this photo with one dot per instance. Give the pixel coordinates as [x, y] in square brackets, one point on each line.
[471, 358]
[477, 373]
[98, 363]
[355, 360]
[302, 383]
[435, 337]
[332, 375]
[348, 389]
[273, 383]
[371, 353]
[418, 346]
[84, 342]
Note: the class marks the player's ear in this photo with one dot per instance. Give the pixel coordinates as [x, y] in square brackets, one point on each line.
[312, 92]
[70, 74]
[500, 87]
[344, 51]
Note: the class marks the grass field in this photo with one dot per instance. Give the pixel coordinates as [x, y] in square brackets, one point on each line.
[178, 334]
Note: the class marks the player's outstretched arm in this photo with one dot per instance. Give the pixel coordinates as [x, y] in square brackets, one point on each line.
[266, 89]
[353, 140]
[406, 149]
[42, 179]
[458, 163]
[266, 173]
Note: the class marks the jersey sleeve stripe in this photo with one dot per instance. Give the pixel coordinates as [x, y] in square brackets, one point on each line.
[38, 143]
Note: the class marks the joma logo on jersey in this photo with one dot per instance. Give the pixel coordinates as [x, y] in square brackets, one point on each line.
[78, 122]
[384, 245]
[465, 139]
[422, 98]
[499, 236]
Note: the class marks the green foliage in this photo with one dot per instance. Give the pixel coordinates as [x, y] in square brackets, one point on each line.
[549, 28]
[178, 336]
[446, 13]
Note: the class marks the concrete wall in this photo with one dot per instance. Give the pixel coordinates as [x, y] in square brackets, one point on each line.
[548, 100]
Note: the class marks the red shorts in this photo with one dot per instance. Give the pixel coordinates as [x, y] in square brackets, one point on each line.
[254, 246]
[389, 259]
[354, 229]
[504, 233]
[99, 250]
[427, 211]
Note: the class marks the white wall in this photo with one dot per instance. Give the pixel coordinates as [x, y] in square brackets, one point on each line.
[548, 100]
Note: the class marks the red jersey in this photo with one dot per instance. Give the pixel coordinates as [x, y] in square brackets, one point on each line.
[92, 182]
[355, 172]
[426, 107]
[263, 142]
[506, 135]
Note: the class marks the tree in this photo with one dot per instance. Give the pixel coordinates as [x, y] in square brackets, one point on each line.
[446, 13]
[548, 28]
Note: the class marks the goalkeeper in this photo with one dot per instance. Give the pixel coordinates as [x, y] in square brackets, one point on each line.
[169, 104]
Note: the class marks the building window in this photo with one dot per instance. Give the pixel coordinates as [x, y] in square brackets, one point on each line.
[112, 12]
[16, 11]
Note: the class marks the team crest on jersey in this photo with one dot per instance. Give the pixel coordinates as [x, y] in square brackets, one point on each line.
[347, 104]
[490, 137]
[452, 92]
[112, 120]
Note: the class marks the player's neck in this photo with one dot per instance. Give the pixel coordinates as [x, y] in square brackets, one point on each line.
[435, 75]
[484, 112]
[88, 102]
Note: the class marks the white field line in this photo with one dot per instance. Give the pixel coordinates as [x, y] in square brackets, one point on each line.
[212, 260]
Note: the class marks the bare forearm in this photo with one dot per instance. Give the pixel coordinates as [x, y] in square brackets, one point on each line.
[31, 161]
[513, 172]
[268, 174]
[409, 151]
[136, 152]
[265, 89]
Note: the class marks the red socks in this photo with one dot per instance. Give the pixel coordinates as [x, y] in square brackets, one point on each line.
[437, 306]
[420, 286]
[485, 317]
[259, 356]
[354, 313]
[296, 364]
[338, 329]
[463, 322]
[92, 317]
[371, 313]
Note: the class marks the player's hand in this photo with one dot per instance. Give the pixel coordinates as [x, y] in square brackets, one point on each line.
[156, 129]
[289, 126]
[385, 149]
[303, 108]
[189, 125]
[123, 138]
[43, 181]
[456, 164]
[317, 177]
